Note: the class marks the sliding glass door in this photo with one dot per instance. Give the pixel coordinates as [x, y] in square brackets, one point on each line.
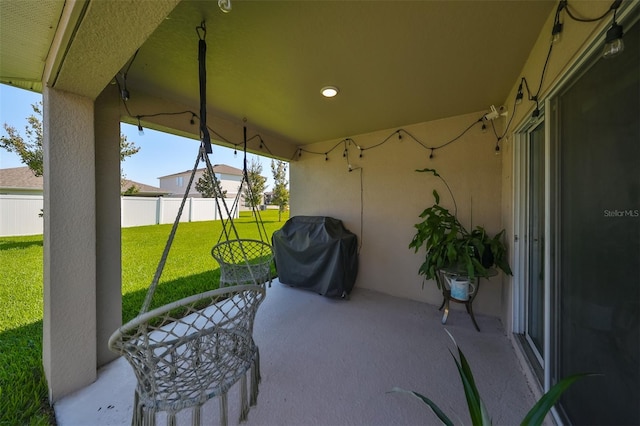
[534, 310]
[580, 286]
[598, 256]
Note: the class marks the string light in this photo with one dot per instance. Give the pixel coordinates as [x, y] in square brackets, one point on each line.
[556, 31]
[348, 141]
[535, 114]
[613, 41]
[124, 93]
[614, 37]
[519, 95]
[140, 129]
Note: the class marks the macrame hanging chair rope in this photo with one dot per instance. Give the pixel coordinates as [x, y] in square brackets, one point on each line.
[262, 233]
[165, 253]
[243, 261]
[229, 230]
[194, 349]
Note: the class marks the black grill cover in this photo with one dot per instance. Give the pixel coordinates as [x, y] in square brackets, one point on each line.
[316, 253]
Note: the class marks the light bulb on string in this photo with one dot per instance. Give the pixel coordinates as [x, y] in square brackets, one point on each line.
[519, 95]
[556, 33]
[613, 41]
[140, 129]
[535, 114]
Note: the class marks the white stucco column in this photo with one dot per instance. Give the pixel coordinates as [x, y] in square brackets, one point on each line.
[108, 241]
[69, 325]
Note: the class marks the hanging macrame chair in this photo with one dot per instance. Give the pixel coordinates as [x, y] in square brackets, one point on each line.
[194, 349]
[242, 261]
[189, 351]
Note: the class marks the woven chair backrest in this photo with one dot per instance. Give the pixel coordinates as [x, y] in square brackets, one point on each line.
[243, 261]
[191, 350]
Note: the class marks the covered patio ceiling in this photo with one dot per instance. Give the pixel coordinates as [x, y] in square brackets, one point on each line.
[394, 62]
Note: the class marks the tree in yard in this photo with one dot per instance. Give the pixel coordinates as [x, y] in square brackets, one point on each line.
[207, 187]
[131, 190]
[30, 149]
[280, 190]
[127, 149]
[256, 182]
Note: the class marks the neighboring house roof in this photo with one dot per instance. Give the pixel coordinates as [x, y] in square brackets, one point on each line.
[23, 179]
[218, 168]
[143, 189]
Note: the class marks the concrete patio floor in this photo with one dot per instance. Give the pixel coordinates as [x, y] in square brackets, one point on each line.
[332, 362]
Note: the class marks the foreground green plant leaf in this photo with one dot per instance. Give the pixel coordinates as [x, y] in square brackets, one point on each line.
[538, 412]
[436, 410]
[477, 410]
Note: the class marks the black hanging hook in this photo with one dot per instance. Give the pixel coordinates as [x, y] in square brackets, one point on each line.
[201, 31]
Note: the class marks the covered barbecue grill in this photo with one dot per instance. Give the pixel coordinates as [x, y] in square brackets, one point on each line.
[316, 253]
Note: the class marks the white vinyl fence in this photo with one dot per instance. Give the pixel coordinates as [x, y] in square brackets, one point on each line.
[19, 214]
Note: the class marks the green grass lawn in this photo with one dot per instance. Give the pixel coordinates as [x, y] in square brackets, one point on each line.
[190, 269]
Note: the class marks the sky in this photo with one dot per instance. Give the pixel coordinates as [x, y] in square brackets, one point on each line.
[160, 153]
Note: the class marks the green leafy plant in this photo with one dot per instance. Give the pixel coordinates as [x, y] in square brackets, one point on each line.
[478, 411]
[449, 245]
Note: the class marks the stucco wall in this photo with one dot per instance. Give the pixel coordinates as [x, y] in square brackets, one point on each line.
[394, 194]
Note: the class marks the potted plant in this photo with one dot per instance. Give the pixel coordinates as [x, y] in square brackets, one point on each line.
[449, 245]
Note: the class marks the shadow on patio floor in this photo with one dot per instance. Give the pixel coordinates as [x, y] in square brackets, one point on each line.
[332, 362]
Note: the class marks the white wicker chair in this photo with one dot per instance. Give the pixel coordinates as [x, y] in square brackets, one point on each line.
[192, 350]
[243, 262]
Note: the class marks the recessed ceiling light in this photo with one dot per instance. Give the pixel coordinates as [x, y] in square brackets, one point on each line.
[329, 91]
